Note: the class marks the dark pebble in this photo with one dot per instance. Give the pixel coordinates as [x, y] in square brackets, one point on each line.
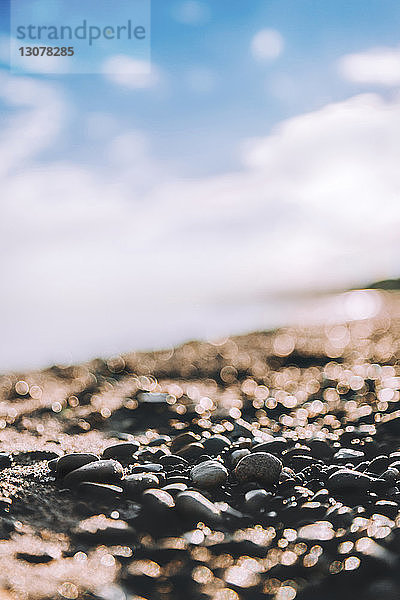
[70, 462]
[5, 460]
[216, 444]
[191, 451]
[346, 480]
[134, 485]
[103, 492]
[183, 440]
[123, 451]
[101, 471]
[260, 466]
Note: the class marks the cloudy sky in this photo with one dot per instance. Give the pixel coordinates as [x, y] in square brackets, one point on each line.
[257, 162]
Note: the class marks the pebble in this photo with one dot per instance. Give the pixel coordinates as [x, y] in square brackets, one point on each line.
[101, 471]
[256, 500]
[276, 445]
[347, 455]
[122, 451]
[260, 466]
[69, 462]
[5, 460]
[158, 502]
[237, 455]
[135, 484]
[172, 460]
[209, 474]
[195, 506]
[147, 467]
[191, 451]
[347, 480]
[216, 444]
[101, 491]
[183, 440]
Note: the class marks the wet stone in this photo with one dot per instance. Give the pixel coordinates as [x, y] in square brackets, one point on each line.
[159, 441]
[191, 451]
[122, 451]
[103, 492]
[69, 462]
[209, 474]
[183, 440]
[346, 480]
[135, 484]
[216, 444]
[147, 467]
[195, 506]
[158, 502]
[101, 471]
[256, 500]
[347, 455]
[175, 488]
[172, 460]
[379, 465]
[5, 460]
[237, 455]
[277, 445]
[260, 466]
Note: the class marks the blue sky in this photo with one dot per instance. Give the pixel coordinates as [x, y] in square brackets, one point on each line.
[258, 161]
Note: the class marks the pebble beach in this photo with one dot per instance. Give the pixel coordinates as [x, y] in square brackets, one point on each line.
[259, 466]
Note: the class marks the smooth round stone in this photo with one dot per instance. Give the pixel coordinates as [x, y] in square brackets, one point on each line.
[237, 455]
[160, 440]
[178, 479]
[387, 508]
[296, 451]
[182, 440]
[105, 492]
[320, 448]
[172, 460]
[5, 460]
[260, 466]
[175, 488]
[278, 444]
[134, 485]
[69, 462]
[346, 480]
[195, 506]
[157, 501]
[123, 451]
[379, 464]
[101, 471]
[216, 444]
[339, 515]
[209, 474]
[148, 468]
[347, 455]
[256, 500]
[191, 451]
[392, 475]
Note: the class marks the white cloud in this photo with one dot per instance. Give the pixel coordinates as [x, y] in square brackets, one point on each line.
[267, 44]
[377, 66]
[130, 73]
[124, 255]
[192, 12]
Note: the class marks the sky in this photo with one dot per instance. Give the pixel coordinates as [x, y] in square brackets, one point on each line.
[256, 163]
